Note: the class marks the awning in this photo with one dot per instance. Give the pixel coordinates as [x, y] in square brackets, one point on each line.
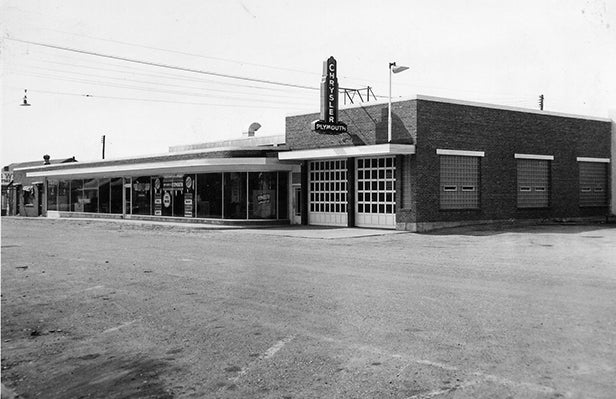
[201, 165]
[348, 152]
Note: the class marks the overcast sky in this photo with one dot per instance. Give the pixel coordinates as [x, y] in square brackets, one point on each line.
[501, 52]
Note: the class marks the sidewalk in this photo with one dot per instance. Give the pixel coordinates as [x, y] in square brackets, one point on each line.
[299, 231]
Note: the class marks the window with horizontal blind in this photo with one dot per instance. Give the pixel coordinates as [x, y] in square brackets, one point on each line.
[533, 183]
[593, 184]
[459, 182]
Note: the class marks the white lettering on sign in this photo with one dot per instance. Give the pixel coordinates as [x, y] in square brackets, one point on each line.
[328, 124]
[167, 199]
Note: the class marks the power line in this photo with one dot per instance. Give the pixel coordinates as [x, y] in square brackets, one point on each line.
[109, 84]
[156, 100]
[182, 52]
[157, 83]
[510, 97]
[221, 75]
[136, 71]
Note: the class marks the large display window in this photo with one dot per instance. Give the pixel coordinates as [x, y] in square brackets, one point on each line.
[52, 195]
[262, 198]
[104, 199]
[235, 195]
[76, 197]
[64, 191]
[89, 195]
[209, 195]
[141, 195]
[229, 195]
[115, 195]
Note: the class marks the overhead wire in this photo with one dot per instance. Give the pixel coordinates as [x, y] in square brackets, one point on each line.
[132, 69]
[91, 96]
[491, 96]
[159, 65]
[159, 83]
[182, 52]
[181, 93]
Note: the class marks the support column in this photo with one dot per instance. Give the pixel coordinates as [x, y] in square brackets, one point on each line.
[304, 192]
[350, 192]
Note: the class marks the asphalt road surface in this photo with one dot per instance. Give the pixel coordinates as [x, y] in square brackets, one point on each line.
[94, 309]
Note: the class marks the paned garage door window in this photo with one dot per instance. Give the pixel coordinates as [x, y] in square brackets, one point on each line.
[533, 183]
[593, 183]
[376, 185]
[459, 182]
[328, 186]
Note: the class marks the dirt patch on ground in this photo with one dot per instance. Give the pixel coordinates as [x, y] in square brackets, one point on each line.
[93, 375]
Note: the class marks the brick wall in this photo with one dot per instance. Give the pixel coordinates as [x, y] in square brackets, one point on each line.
[366, 126]
[501, 134]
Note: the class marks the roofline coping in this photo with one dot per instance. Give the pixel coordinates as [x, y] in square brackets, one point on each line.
[471, 104]
[141, 157]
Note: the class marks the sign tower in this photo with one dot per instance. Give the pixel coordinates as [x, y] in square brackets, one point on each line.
[328, 124]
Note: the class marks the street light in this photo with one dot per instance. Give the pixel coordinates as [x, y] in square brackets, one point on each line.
[393, 68]
[25, 103]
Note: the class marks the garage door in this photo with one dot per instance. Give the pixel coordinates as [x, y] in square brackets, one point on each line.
[376, 192]
[327, 184]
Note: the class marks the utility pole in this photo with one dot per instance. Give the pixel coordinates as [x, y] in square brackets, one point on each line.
[103, 141]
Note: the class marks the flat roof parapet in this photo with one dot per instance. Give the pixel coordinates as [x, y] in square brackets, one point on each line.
[243, 142]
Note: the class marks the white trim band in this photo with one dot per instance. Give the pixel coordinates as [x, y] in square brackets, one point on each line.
[184, 166]
[534, 156]
[440, 151]
[598, 160]
[348, 152]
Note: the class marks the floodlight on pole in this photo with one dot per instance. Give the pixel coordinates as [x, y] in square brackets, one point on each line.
[393, 68]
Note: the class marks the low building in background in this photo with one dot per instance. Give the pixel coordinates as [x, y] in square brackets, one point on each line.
[23, 195]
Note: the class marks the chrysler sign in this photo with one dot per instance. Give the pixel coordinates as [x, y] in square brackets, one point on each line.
[328, 124]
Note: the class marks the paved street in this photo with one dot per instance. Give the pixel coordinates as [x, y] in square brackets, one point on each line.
[100, 309]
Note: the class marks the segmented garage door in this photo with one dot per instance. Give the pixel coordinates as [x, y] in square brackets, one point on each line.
[376, 192]
[327, 183]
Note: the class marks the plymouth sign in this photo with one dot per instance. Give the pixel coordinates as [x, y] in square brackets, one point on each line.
[328, 124]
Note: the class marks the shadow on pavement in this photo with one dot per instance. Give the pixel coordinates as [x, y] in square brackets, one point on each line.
[507, 228]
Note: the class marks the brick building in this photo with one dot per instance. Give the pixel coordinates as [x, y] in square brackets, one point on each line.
[450, 162]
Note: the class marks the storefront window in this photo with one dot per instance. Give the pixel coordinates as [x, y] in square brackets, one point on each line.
[76, 195]
[157, 195]
[104, 196]
[64, 190]
[167, 196]
[283, 195]
[141, 195]
[28, 195]
[189, 196]
[90, 195]
[52, 195]
[235, 195]
[262, 196]
[209, 195]
[173, 196]
[116, 195]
